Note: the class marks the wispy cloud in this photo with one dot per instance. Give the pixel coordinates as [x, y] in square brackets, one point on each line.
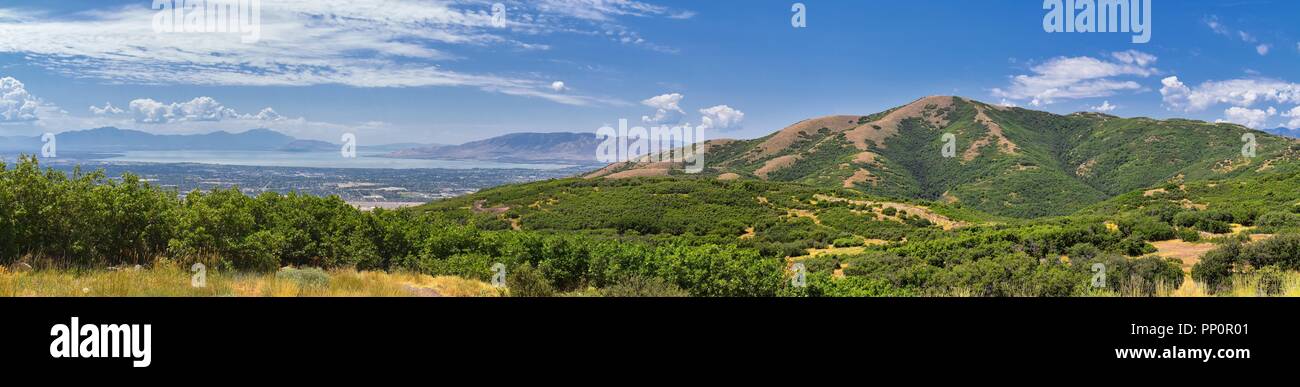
[1220, 28]
[321, 42]
[1079, 77]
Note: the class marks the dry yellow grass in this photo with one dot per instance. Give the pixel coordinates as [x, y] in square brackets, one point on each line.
[166, 280]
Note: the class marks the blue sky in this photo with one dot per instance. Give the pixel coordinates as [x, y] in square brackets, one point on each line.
[441, 72]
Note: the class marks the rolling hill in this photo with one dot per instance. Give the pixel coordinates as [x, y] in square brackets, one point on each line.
[1006, 161]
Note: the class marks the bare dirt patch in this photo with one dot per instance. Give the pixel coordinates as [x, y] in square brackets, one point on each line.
[647, 172]
[861, 176]
[1188, 252]
[775, 164]
[788, 136]
[886, 127]
[995, 135]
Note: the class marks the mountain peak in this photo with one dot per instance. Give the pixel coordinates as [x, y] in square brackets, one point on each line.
[1012, 162]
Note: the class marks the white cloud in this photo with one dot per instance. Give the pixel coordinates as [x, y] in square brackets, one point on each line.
[1245, 37]
[558, 86]
[667, 109]
[1251, 118]
[1216, 26]
[268, 114]
[108, 109]
[1105, 107]
[16, 104]
[721, 117]
[1234, 92]
[1294, 114]
[318, 42]
[1134, 57]
[1079, 77]
[200, 109]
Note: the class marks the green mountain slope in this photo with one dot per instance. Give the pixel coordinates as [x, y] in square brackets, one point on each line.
[1006, 161]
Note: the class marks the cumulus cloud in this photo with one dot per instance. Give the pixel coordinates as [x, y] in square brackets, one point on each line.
[558, 86]
[107, 110]
[1234, 92]
[1105, 107]
[320, 42]
[200, 109]
[1263, 49]
[1079, 77]
[1294, 115]
[1252, 118]
[16, 104]
[721, 117]
[667, 109]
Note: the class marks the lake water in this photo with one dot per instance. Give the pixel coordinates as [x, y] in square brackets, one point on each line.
[310, 160]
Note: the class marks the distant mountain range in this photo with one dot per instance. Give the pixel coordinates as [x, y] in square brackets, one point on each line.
[1293, 133]
[110, 139]
[515, 147]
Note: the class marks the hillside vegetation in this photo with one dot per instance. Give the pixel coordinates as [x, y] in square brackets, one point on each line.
[1030, 204]
[1006, 161]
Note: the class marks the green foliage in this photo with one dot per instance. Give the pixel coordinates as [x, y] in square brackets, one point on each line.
[1135, 247]
[823, 285]
[1143, 228]
[308, 278]
[1282, 251]
[641, 286]
[849, 241]
[1270, 281]
[1217, 266]
[525, 281]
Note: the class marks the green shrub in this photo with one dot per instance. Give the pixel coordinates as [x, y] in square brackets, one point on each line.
[1278, 219]
[1082, 252]
[1213, 226]
[641, 286]
[525, 281]
[1282, 251]
[308, 278]
[1146, 229]
[471, 266]
[1134, 247]
[1270, 281]
[261, 252]
[824, 285]
[1216, 267]
[1189, 235]
[850, 241]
